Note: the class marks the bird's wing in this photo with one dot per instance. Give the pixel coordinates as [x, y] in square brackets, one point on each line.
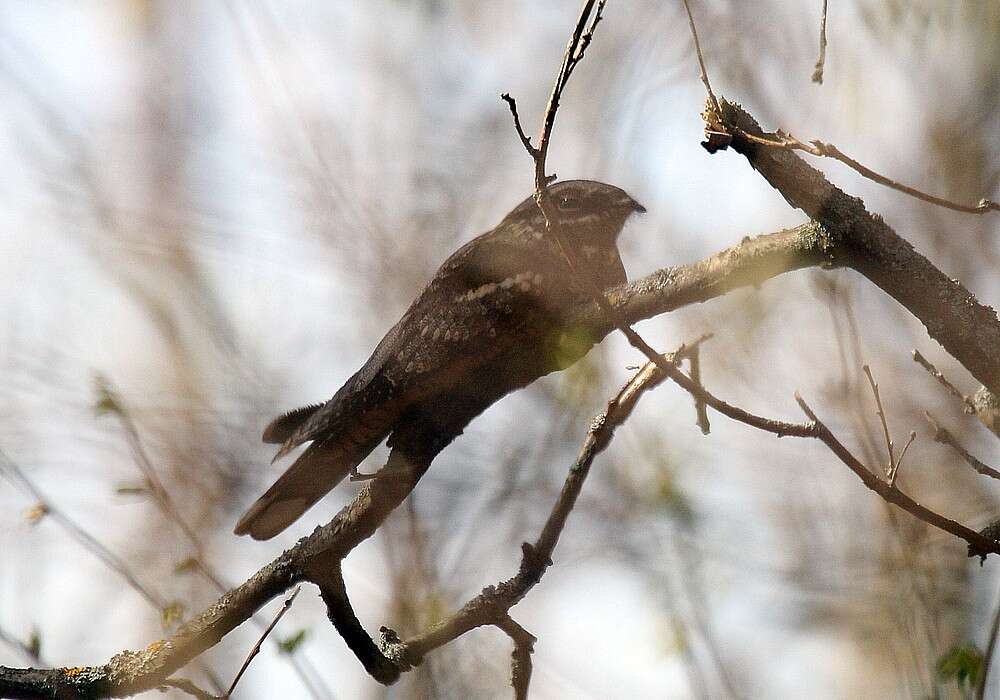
[472, 312]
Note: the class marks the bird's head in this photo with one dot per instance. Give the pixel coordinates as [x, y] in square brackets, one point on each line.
[590, 216]
[590, 212]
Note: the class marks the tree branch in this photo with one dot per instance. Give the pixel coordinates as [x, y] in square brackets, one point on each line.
[967, 329]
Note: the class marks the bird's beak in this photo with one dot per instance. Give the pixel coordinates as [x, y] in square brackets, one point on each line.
[630, 205]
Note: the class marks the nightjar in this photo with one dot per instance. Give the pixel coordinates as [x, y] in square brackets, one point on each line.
[494, 318]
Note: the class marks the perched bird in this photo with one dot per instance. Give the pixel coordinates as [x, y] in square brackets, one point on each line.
[493, 319]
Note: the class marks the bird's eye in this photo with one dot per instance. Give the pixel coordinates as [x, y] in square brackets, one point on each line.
[568, 203]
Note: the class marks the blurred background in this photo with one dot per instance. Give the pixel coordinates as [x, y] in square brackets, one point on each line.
[212, 212]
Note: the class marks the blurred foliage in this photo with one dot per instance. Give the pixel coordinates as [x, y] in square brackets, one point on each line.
[186, 566]
[107, 401]
[35, 514]
[34, 646]
[961, 664]
[173, 613]
[291, 643]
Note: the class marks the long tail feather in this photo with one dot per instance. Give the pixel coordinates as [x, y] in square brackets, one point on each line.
[282, 427]
[322, 466]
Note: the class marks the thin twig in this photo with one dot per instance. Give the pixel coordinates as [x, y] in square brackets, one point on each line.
[17, 477]
[890, 470]
[187, 686]
[520, 664]
[525, 139]
[701, 411]
[818, 430]
[713, 100]
[828, 150]
[817, 76]
[576, 47]
[490, 607]
[934, 372]
[256, 647]
[110, 401]
[578, 42]
[899, 462]
[946, 438]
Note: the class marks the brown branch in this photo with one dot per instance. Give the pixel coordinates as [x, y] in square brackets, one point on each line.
[525, 139]
[818, 430]
[782, 140]
[890, 470]
[946, 438]
[817, 76]
[701, 411]
[520, 663]
[260, 641]
[576, 47]
[933, 371]
[186, 686]
[703, 72]
[341, 613]
[967, 329]
[490, 607]
[14, 474]
[751, 262]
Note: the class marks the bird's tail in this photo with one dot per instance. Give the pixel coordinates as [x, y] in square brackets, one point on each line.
[323, 465]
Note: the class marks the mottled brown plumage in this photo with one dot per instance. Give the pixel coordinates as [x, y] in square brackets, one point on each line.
[493, 319]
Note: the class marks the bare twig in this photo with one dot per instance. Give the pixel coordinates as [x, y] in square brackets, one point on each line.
[890, 469]
[694, 360]
[818, 430]
[953, 316]
[491, 605]
[187, 686]
[576, 47]
[713, 100]
[520, 664]
[9, 469]
[969, 407]
[946, 438]
[525, 139]
[817, 76]
[256, 647]
[110, 401]
[816, 147]
[580, 39]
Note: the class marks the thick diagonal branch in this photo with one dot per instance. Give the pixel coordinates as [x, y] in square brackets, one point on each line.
[967, 329]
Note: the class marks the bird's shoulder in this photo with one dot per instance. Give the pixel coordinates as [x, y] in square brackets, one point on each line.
[486, 298]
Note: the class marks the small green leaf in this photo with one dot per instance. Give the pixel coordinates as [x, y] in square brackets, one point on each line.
[174, 612]
[35, 643]
[961, 663]
[670, 498]
[288, 645]
[106, 401]
[186, 566]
